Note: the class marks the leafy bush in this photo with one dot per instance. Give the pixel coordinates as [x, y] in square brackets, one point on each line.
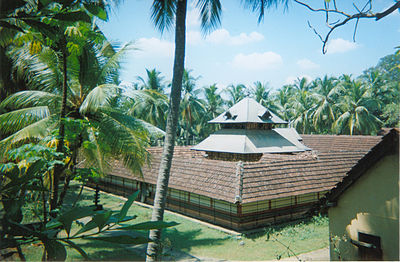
[24, 183]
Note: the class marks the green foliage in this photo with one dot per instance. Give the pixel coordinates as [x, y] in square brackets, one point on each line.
[391, 115]
[24, 177]
[327, 105]
[92, 108]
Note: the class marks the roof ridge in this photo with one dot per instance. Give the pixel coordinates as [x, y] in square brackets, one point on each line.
[239, 181]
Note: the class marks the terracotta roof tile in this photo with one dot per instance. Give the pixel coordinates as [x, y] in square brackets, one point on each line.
[273, 176]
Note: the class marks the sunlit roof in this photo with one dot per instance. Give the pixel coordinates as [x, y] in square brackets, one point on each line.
[242, 141]
[248, 111]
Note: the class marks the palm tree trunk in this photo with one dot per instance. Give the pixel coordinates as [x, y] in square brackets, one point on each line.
[61, 133]
[68, 178]
[154, 249]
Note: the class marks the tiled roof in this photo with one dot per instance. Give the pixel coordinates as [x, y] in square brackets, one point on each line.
[388, 145]
[273, 176]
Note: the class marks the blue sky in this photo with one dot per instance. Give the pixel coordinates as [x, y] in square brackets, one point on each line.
[241, 51]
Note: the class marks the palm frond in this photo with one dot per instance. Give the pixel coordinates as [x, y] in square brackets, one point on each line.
[93, 151]
[154, 132]
[163, 14]
[7, 36]
[85, 69]
[99, 97]
[39, 71]
[141, 96]
[126, 137]
[109, 71]
[259, 6]
[210, 13]
[35, 132]
[30, 99]
[13, 121]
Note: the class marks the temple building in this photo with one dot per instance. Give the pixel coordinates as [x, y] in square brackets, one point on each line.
[248, 130]
[253, 172]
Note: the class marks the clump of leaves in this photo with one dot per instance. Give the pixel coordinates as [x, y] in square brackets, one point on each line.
[23, 177]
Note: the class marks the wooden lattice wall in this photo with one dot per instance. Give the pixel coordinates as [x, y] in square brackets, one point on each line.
[235, 216]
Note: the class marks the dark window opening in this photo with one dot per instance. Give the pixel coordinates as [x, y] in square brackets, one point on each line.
[369, 246]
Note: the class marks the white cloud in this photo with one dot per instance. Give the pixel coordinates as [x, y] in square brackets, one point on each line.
[257, 61]
[290, 80]
[193, 37]
[222, 36]
[154, 47]
[307, 64]
[340, 45]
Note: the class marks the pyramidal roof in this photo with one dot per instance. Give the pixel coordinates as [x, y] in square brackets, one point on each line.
[242, 141]
[248, 110]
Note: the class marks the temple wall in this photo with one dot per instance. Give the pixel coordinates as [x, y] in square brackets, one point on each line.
[235, 216]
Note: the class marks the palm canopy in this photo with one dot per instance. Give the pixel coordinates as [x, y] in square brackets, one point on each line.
[154, 81]
[262, 94]
[213, 105]
[355, 117]
[192, 108]
[302, 104]
[152, 105]
[282, 100]
[326, 93]
[213, 101]
[163, 12]
[93, 75]
[236, 93]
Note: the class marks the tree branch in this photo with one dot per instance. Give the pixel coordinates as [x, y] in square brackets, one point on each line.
[346, 17]
[388, 11]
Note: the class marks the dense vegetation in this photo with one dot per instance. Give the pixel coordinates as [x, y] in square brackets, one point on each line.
[60, 98]
[328, 105]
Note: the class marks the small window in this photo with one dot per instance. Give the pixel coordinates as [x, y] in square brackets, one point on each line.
[369, 246]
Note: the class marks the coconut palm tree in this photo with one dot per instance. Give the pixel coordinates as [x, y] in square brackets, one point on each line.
[302, 104]
[52, 25]
[324, 113]
[213, 101]
[262, 94]
[192, 108]
[380, 88]
[93, 74]
[236, 93]
[213, 104]
[282, 100]
[154, 81]
[152, 106]
[166, 14]
[355, 106]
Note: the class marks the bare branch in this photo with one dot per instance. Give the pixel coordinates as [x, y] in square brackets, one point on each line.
[355, 30]
[315, 31]
[365, 12]
[321, 9]
[388, 11]
[358, 10]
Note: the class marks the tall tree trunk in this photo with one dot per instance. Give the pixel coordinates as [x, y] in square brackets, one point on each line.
[154, 249]
[68, 178]
[61, 133]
